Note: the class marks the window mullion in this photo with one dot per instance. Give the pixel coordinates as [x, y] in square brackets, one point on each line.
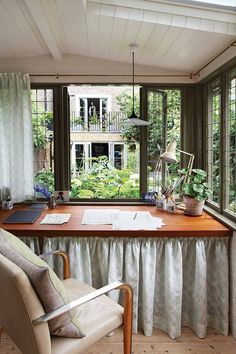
[223, 145]
[62, 140]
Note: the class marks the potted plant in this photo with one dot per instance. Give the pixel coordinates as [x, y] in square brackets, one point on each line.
[195, 191]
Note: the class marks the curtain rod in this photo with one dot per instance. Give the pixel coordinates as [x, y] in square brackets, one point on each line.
[232, 44]
[109, 75]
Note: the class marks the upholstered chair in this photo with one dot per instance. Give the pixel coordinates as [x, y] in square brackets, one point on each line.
[86, 317]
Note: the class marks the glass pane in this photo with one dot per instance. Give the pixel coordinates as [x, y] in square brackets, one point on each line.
[42, 122]
[230, 147]
[213, 139]
[104, 156]
[164, 129]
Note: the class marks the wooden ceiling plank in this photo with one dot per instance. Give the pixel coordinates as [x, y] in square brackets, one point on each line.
[232, 29]
[184, 56]
[201, 54]
[22, 27]
[105, 31]
[40, 18]
[118, 32]
[167, 41]
[73, 23]
[181, 19]
[6, 52]
[186, 36]
[206, 25]
[193, 23]
[92, 21]
[132, 29]
[142, 38]
[177, 9]
[152, 44]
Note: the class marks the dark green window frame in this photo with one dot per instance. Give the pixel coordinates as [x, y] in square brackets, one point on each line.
[62, 140]
[223, 79]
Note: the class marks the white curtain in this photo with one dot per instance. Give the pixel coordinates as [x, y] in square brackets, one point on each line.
[176, 281]
[16, 143]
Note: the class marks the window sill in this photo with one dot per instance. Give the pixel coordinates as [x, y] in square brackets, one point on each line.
[223, 219]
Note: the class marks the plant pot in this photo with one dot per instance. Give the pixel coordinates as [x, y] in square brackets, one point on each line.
[193, 207]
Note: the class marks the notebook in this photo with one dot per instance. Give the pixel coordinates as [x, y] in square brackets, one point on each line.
[23, 217]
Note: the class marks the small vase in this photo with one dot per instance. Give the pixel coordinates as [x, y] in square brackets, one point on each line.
[52, 202]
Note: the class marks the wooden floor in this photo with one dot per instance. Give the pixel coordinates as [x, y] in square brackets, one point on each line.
[159, 343]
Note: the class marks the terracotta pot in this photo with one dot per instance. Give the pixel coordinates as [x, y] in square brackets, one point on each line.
[193, 206]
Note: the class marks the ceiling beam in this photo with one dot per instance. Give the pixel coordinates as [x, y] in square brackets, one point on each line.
[42, 23]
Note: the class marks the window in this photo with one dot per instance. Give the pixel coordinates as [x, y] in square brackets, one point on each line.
[164, 113]
[43, 136]
[221, 142]
[230, 145]
[104, 157]
[87, 150]
[213, 139]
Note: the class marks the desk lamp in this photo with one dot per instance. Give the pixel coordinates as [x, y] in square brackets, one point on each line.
[170, 156]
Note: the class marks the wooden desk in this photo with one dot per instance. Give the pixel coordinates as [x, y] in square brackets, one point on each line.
[179, 273]
[177, 224]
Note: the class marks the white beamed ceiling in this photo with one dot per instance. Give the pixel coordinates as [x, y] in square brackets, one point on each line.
[172, 38]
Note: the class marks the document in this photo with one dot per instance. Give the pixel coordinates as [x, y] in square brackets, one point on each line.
[56, 219]
[140, 220]
[99, 216]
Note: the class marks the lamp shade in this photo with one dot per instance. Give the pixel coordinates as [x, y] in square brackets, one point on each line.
[170, 154]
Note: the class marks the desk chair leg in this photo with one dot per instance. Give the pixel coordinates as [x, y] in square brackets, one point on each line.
[127, 327]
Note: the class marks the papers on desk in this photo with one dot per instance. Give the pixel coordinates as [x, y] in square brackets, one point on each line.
[99, 216]
[140, 220]
[122, 220]
[55, 219]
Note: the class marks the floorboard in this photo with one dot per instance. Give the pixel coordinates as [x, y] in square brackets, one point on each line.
[158, 343]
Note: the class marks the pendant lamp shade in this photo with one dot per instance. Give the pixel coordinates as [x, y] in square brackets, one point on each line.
[133, 120]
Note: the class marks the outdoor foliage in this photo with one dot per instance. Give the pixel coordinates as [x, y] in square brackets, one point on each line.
[155, 141]
[104, 181]
[216, 155]
[41, 122]
[45, 178]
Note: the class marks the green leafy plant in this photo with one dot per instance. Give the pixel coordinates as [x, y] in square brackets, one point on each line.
[104, 181]
[195, 186]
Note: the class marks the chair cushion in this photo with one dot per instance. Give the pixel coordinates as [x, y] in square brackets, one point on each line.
[47, 285]
[97, 318]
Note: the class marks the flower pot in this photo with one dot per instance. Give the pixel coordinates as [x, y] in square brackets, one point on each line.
[193, 207]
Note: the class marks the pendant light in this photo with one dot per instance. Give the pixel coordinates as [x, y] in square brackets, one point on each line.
[133, 120]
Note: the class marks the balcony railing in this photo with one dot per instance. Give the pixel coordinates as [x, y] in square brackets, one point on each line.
[108, 122]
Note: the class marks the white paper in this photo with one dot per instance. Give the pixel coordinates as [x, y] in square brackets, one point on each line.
[140, 220]
[99, 216]
[56, 219]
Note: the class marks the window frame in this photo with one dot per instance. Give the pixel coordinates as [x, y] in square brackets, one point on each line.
[62, 154]
[223, 78]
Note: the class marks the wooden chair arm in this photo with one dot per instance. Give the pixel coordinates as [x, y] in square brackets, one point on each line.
[93, 295]
[65, 258]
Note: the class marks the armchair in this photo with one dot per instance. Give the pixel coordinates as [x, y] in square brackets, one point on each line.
[23, 318]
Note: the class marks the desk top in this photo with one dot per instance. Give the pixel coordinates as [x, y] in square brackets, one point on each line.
[177, 224]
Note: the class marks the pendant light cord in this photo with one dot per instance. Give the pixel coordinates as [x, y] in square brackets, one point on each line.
[133, 78]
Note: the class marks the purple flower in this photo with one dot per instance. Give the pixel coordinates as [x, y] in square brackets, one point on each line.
[44, 191]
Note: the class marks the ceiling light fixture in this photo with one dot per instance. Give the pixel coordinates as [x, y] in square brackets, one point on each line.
[133, 120]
